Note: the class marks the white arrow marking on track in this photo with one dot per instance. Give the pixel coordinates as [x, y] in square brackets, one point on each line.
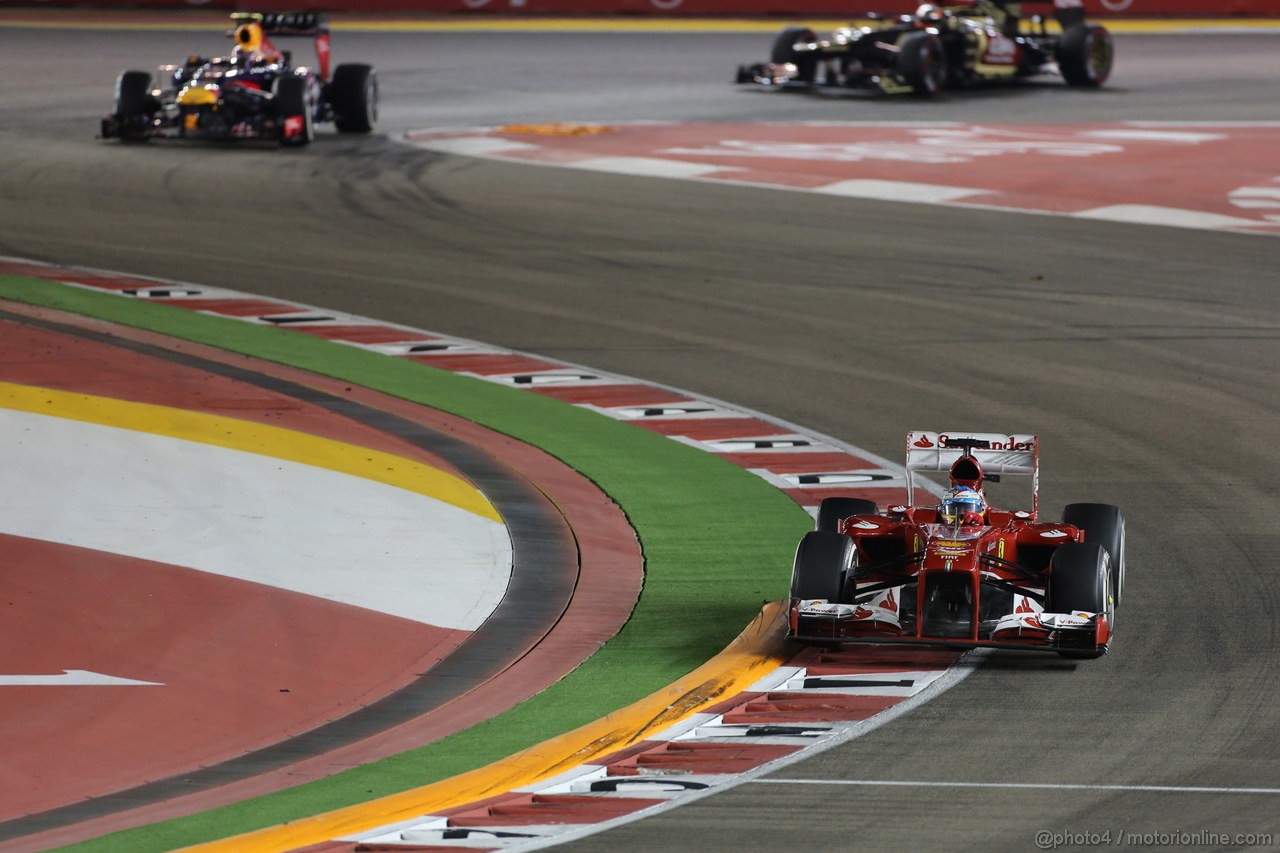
[73, 678]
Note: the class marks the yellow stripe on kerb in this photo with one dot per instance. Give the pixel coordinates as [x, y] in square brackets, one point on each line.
[757, 651]
[251, 437]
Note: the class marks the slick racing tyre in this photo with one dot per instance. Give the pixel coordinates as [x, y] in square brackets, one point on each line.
[784, 50]
[820, 564]
[134, 104]
[354, 96]
[922, 63]
[833, 510]
[293, 110]
[1085, 53]
[1103, 524]
[1080, 579]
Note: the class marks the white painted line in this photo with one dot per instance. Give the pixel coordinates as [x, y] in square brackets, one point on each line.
[898, 191]
[665, 411]
[1149, 214]
[427, 348]
[541, 378]
[870, 478]
[865, 684]
[1254, 203]
[475, 145]
[252, 517]
[648, 167]
[1046, 786]
[1231, 124]
[1155, 135]
[74, 678]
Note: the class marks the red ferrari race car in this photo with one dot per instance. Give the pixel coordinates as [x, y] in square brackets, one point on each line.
[254, 93]
[960, 572]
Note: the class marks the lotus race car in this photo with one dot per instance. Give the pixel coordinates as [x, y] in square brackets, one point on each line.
[960, 573]
[949, 45]
[254, 93]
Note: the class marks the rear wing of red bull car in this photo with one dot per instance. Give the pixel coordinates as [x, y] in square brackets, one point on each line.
[994, 454]
[290, 24]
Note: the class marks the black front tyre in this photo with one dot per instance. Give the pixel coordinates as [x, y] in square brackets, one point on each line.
[353, 94]
[833, 510]
[1103, 524]
[135, 106]
[784, 50]
[922, 63]
[293, 110]
[1085, 54]
[819, 569]
[1080, 579]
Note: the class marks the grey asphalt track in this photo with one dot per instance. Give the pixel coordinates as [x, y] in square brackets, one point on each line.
[1147, 359]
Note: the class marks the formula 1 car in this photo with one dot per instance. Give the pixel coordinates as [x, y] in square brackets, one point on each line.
[255, 93]
[952, 45]
[960, 573]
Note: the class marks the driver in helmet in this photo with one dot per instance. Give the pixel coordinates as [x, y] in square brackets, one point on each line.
[962, 505]
[252, 45]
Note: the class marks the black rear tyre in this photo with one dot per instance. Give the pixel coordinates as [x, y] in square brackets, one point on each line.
[784, 50]
[922, 63]
[1085, 54]
[833, 510]
[822, 559]
[354, 95]
[1103, 524]
[294, 110]
[1080, 579]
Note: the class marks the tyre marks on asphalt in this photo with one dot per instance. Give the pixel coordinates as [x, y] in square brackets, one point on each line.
[1134, 172]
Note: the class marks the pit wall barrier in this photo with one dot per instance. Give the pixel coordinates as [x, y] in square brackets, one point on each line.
[706, 8]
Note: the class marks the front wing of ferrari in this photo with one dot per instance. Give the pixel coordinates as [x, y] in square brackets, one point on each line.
[821, 621]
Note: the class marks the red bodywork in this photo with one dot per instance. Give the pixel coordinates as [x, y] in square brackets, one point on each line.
[914, 579]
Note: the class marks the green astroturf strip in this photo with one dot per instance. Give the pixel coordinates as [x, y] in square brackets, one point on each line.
[717, 540]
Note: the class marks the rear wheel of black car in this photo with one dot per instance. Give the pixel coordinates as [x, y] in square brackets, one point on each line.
[1080, 579]
[293, 110]
[354, 95]
[819, 568]
[134, 104]
[833, 510]
[1103, 524]
[922, 63]
[1085, 53]
[784, 50]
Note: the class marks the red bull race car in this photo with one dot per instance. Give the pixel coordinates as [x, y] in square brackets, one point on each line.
[945, 45]
[254, 93]
[960, 572]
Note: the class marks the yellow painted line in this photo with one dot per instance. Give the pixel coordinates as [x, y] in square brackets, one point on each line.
[757, 651]
[532, 24]
[251, 437]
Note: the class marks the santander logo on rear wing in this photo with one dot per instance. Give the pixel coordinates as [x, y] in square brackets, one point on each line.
[998, 453]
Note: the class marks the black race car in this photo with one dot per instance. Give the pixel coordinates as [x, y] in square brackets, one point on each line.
[961, 43]
[254, 93]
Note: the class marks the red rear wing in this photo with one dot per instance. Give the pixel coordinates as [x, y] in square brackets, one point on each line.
[1007, 453]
